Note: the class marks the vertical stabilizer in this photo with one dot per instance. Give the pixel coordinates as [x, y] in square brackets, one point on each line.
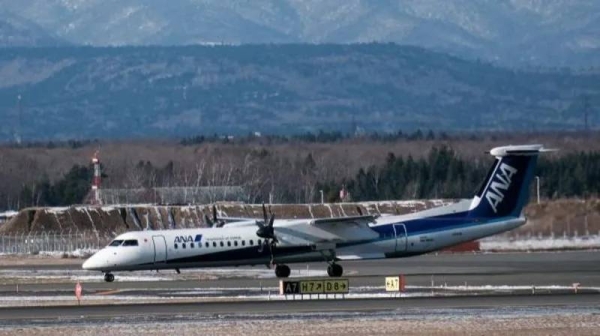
[505, 190]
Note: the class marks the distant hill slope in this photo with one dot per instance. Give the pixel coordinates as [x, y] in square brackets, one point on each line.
[157, 91]
[509, 32]
[18, 32]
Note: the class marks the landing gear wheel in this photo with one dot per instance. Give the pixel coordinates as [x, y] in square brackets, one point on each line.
[282, 271]
[335, 270]
[109, 277]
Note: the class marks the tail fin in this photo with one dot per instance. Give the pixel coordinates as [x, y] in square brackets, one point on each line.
[505, 190]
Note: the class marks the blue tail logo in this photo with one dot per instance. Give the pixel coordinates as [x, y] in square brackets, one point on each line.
[505, 191]
[500, 185]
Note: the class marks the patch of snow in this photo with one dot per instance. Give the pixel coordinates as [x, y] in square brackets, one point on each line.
[502, 288]
[141, 276]
[537, 244]
[9, 301]
[8, 214]
[29, 275]
[78, 253]
[56, 210]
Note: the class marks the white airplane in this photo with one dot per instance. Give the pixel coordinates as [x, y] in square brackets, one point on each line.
[495, 208]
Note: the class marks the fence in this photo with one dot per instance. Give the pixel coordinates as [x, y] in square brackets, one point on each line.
[53, 242]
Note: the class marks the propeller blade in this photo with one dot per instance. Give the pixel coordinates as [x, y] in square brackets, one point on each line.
[359, 210]
[208, 221]
[271, 221]
[214, 213]
[264, 213]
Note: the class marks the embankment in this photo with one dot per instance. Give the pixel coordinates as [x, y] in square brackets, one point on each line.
[552, 218]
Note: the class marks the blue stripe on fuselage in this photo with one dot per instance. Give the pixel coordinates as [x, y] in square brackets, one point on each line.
[435, 224]
[428, 225]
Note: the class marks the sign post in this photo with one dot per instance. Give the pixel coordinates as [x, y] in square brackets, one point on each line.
[78, 293]
[337, 286]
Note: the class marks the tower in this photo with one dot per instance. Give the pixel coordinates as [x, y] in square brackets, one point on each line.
[96, 179]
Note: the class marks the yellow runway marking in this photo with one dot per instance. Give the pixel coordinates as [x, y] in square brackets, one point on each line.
[109, 292]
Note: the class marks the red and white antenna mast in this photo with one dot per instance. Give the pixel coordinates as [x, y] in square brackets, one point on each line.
[97, 178]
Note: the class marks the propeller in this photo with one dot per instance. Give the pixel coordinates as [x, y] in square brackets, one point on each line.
[265, 228]
[267, 232]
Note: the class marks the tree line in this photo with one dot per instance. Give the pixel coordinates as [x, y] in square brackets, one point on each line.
[442, 174]
[264, 175]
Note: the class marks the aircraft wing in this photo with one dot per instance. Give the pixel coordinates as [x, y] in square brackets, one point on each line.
[235, 219]
[323, 232]
[343, 220]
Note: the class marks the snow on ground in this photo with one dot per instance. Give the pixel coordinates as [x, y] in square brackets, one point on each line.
[200, 295]
[502, 288]
[36, 276]
[259, 294]
[78, 253]
[540, 244]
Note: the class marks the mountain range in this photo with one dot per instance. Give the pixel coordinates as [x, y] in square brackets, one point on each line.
[523, 33]
[124, 92]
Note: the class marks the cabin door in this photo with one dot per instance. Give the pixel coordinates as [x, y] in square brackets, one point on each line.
[160, 249]
[401, 241]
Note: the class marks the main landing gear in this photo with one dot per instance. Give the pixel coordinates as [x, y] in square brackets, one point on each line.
[282, 271]
[335, 270]
[108, 277]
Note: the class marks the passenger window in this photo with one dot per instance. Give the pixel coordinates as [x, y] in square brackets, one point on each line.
[222, 244]
[235, 243]
[214, 244]
[228, 243]
[251, 242]
[115, 243]
[175, 246]
[183, 245]
[243, 243]
[191, 245]
[131, 242]
[207, 245]
[258, 242]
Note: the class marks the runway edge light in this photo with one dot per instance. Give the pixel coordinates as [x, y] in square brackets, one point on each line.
[78, 291]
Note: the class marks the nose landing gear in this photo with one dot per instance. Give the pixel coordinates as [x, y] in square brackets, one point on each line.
[108, 277]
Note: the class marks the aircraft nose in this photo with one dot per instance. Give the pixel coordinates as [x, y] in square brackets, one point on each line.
[93, 263]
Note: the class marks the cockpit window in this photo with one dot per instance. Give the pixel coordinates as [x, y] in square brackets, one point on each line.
[131, 242]
[115, 242]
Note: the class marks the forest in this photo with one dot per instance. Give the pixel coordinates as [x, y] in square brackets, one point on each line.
[294, 170]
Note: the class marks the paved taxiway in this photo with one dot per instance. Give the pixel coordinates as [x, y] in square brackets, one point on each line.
[273, 307]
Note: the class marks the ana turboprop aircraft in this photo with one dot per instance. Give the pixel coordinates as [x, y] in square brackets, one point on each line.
[494, 209]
